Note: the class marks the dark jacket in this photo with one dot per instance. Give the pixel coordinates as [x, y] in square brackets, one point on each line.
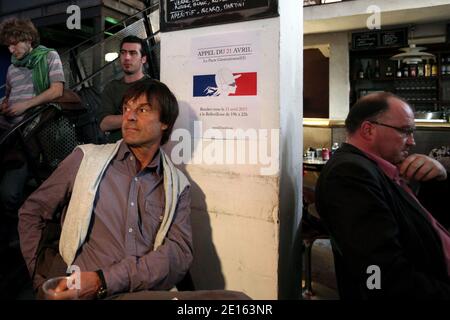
[373, 221]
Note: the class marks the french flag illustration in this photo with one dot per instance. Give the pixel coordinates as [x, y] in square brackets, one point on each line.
[225, 83]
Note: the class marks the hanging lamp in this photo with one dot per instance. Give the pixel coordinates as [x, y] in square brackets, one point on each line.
[413, 54]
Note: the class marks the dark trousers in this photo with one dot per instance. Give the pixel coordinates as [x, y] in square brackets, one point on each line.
[12, 185]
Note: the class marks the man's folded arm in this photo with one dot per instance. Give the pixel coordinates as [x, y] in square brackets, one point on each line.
[43, 203]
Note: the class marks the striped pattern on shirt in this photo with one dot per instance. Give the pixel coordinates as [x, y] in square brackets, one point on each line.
[19, 80]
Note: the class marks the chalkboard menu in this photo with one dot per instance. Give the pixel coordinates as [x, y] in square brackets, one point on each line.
[380, 39]
[183, 14]
[365, 40]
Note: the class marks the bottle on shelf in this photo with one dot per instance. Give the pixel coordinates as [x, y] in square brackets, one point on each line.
[388, 73]
[399, 70]
[434, 69]
[413, 70]
[369, 70]
[405, 71]
[443, 67]
[360, 72]
[427, 69]
[420, 70]
[447, 65]
[377, 69]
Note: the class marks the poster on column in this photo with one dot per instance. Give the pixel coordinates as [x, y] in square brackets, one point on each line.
[225, 81]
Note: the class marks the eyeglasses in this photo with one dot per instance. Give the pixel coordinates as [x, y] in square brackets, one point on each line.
[404, 131]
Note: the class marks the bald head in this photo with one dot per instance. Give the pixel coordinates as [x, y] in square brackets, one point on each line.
[370, 107]
[382, 124]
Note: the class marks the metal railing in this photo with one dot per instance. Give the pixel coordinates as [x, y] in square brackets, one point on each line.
[107, 72]
[85, 64]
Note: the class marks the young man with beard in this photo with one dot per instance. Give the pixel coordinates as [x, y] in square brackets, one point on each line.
[132, 60]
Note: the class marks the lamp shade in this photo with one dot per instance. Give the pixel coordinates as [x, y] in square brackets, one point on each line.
[413, 55]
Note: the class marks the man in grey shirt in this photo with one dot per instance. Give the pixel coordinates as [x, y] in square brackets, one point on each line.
[118, 253]
[35, 77]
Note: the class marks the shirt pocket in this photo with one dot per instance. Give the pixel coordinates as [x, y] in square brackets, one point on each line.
[151, 219]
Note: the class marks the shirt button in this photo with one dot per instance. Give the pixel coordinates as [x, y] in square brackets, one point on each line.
[132, 204]
[160, 218]
[131, 158]
[136, 179]
[130, 230]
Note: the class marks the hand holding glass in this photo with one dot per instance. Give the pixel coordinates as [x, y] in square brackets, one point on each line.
[58, 289]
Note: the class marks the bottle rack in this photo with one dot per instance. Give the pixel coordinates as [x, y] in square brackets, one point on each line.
[425, 86]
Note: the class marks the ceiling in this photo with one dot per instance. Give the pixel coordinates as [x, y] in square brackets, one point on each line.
[332, 18]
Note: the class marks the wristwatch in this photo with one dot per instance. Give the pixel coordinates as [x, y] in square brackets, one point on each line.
[101, 293]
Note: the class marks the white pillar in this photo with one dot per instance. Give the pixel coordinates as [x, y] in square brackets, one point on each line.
[244, 221]
[291, 144]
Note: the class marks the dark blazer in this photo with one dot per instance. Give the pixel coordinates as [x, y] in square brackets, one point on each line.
[373, 221]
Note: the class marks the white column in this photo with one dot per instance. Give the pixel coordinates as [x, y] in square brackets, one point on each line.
[244, 220]
[291, 144]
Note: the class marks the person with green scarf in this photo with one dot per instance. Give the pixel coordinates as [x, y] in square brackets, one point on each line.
[35, 77]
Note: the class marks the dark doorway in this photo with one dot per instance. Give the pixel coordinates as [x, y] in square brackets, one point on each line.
[315, 84]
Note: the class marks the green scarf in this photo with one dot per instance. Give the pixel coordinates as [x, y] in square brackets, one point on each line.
[36, 60]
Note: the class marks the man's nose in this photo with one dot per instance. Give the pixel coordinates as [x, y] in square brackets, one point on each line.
[11, 48]
[130, 115]
[411, 141]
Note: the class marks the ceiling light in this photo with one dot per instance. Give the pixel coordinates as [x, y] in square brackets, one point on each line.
[111, 56]
[413, 54]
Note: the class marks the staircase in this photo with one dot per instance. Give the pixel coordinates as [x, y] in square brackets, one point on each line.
[85, 64]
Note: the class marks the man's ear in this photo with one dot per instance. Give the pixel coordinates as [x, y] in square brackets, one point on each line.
[366, 130]
[144, 59]
[164, 126]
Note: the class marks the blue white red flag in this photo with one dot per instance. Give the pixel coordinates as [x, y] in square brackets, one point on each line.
[225, 83]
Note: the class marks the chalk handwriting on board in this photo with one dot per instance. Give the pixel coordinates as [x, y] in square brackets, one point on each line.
[184, 9]
[181, 14]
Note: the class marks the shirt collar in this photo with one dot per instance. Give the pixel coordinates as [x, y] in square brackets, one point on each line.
[388, 168]
[154, 165]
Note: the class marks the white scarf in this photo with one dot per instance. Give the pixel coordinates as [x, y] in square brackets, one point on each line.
[78, 216]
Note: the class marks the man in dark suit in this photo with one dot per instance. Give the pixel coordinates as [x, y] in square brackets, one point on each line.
[385, 243]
